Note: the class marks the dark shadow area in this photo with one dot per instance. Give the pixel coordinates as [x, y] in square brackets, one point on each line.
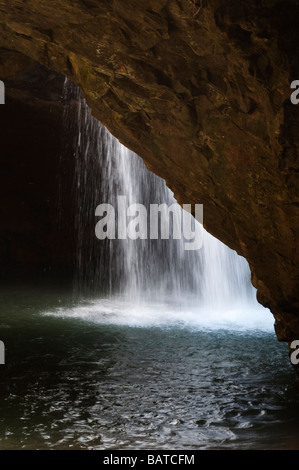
[36, 240]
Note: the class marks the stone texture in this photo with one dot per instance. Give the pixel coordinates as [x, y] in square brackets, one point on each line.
[200, 90]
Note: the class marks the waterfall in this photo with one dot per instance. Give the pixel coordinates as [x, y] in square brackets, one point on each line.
[213, 276]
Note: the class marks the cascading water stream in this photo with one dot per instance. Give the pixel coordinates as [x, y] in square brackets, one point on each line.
[213, 279]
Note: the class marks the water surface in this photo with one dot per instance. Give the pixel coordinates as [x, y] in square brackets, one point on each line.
[90, 376]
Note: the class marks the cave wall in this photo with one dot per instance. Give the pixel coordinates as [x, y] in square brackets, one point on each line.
[36, 239]
[201, 91]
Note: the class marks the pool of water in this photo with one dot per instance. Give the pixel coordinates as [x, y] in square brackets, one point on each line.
[114, 374]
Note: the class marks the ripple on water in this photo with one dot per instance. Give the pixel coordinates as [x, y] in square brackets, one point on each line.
[74, 382]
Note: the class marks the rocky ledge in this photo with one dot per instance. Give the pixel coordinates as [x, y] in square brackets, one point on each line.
[200, 89]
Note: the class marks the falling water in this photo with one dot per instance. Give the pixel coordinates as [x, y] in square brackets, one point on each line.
[214, 276]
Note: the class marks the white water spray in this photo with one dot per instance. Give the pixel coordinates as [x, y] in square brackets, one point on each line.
[158, 279]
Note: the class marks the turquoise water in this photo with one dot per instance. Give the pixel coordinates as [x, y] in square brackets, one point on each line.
[94, 375]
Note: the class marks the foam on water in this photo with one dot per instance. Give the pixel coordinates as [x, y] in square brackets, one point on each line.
[167, 313]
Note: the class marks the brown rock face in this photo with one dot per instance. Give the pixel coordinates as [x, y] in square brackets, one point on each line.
[201, 90]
